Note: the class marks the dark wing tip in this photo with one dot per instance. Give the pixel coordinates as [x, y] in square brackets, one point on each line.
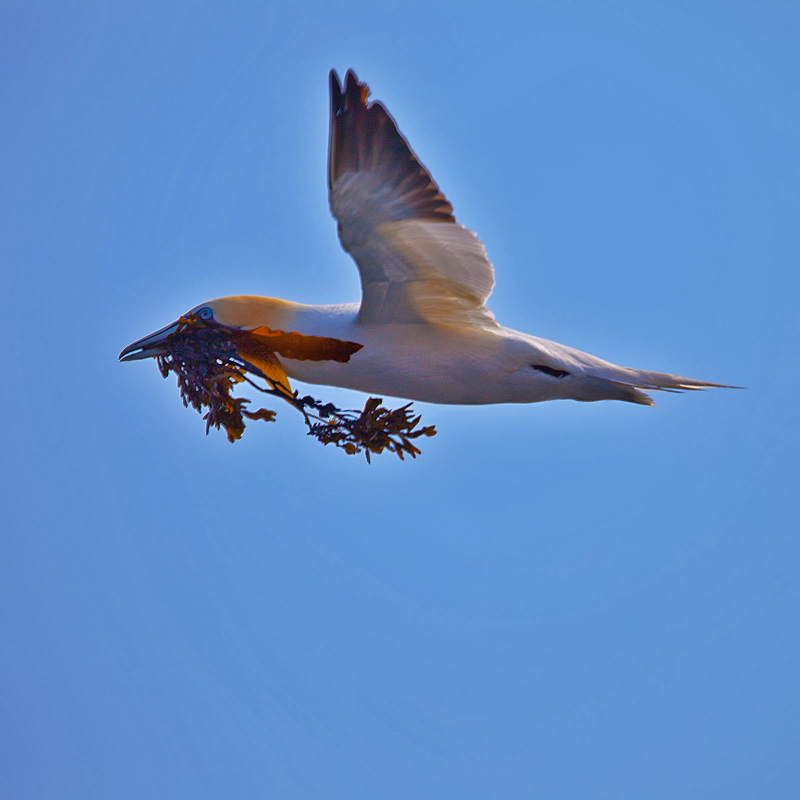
[336, 92]
[364, 137]
[356, 93]
[349, 95]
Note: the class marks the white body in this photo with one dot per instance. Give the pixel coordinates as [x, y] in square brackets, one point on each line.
[423, 328]
[448, 364]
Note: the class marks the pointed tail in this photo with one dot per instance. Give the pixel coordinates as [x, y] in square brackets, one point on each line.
[630, 385]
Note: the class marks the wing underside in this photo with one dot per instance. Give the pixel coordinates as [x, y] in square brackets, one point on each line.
[417, 264]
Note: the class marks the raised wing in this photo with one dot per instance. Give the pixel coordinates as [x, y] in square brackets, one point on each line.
[417, 264]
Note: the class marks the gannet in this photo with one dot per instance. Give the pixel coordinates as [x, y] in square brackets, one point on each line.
[422, 330]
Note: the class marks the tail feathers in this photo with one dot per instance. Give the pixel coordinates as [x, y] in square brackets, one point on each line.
[591, 388]
[620, 383]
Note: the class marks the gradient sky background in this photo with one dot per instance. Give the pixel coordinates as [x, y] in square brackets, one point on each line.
[562, 600]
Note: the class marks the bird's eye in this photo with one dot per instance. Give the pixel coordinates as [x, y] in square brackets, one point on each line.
[205, 313]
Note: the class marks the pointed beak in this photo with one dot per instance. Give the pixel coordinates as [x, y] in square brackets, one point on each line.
[150, 346]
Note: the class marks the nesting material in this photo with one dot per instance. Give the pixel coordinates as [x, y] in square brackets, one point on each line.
[204, 357]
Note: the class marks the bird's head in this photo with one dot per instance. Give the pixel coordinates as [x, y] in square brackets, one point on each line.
[241, 313]
[256, 329]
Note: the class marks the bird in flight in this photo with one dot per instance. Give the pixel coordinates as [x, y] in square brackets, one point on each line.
[422, 330]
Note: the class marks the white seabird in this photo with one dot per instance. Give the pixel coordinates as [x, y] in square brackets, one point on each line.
[422, 330]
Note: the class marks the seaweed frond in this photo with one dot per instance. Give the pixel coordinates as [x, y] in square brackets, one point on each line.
[203, 356]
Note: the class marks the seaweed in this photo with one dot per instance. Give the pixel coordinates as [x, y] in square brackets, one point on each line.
[204, 357]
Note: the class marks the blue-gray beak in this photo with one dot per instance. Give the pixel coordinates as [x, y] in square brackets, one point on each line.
[150, 346]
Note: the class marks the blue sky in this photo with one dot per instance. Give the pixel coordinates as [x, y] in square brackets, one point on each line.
[560, 600]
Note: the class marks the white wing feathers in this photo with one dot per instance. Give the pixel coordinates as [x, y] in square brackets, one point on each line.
[452, 277]
[416, 263]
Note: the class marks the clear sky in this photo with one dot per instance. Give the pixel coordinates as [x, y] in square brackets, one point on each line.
[561, 600]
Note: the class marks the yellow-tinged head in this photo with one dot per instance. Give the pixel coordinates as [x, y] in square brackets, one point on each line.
[241, 312]
[260, 328]
[246, 312]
